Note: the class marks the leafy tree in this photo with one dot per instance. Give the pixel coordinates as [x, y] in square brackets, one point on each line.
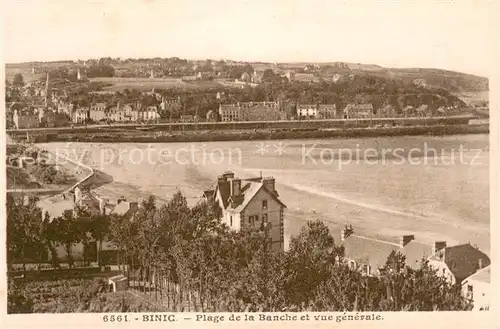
[201, 263]
[51, 237]
[67, 233]
[18, 80]
[311, 251]
[99, 229]
[24, 220]
[17, 301]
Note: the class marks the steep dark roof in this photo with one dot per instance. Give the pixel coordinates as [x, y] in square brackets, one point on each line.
[224, 190]
[462, 260]
[249, 189]
[208, 194]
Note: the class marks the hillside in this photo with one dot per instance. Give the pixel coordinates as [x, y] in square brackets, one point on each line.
[434, 78]
[452, 81]
[449, 80]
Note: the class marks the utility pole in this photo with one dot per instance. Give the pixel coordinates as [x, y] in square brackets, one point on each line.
[170, 120]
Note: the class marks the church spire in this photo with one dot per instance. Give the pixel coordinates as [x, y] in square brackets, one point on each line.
[48, 91]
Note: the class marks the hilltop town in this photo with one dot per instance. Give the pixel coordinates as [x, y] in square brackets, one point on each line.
[108, 91]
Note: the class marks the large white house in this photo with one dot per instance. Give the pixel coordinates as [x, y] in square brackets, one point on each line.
[251, 204]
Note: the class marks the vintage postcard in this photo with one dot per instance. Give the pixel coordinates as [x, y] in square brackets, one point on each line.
[251, 163]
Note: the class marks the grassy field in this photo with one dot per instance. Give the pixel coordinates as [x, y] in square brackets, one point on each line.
[146, 84]
[19, 178]
[473, 98]
[118, 84]
[25, 69]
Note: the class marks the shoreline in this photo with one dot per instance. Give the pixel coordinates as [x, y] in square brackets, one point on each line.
[114, 189]
[223, 136]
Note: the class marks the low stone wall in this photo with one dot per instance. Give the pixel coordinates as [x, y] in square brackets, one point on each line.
[268, 134]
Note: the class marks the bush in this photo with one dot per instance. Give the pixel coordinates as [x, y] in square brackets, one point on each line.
[17, 302]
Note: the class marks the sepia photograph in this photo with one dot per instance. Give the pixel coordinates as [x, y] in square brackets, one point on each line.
[260, 160]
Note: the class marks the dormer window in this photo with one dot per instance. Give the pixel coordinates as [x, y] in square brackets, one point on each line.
[264, 204]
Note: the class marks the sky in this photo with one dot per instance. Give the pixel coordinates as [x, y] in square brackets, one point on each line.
[455, 35]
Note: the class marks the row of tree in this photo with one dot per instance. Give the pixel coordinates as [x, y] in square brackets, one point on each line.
[224, 270]
[31, 234]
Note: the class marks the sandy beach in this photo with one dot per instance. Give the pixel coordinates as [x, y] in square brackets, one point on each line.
[379, 200]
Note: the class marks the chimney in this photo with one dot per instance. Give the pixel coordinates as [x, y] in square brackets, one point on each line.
[221, 179]
[102, 207]
[346, 232]
[235, 186]
[133, 206]
[78, 194]
[120, 200]
[405, 239]
[438, 246]
[228, 174]
[480, 263]
[269, 184]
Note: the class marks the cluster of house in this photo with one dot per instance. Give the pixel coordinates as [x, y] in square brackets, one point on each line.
[461, 264]
[274, 111]
[365, 111]
[63, 115]
[119, 113]
[56, 111]
[253, 204]
[35, 117]
[84, 198]
[252, 111]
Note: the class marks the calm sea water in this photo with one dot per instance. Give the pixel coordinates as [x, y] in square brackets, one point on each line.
[434, 187]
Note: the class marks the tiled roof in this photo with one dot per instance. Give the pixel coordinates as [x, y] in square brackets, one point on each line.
[306, 105]
[462, 260]
[326, 106]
